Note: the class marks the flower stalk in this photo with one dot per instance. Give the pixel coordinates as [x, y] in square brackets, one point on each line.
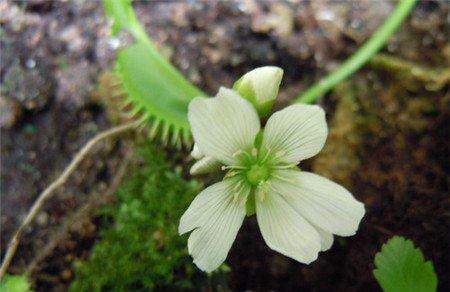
[362, 55]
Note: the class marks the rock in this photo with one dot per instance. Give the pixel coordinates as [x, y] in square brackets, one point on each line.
[10, 112]
[280, 20]
[71, 36]
[74, 85]
[30, 87]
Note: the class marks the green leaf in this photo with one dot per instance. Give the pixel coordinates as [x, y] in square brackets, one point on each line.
[402, 267]
[157, 97]
[155, 88]
[14, 283]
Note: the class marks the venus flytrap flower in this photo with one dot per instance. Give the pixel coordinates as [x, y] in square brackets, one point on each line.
[298, 212]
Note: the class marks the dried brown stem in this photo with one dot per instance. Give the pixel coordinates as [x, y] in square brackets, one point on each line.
[83, 214]
[48, 192]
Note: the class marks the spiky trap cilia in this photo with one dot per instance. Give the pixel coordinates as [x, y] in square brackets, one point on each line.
[297, 211]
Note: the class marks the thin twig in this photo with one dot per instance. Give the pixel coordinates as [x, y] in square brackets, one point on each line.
[48, 192]
[83, 214]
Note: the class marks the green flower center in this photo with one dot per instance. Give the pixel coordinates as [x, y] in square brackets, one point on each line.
[257, 174]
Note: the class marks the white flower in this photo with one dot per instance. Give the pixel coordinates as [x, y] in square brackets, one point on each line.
[298, 212]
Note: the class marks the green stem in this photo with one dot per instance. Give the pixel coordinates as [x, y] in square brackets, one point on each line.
[358, 59]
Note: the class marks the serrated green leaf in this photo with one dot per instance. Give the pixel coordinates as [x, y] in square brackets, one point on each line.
[152, 92]
[157, 90]
[14, 283]
[400, 267]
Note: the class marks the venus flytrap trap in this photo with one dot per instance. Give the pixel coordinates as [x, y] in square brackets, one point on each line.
[298, 212]
[157, 92]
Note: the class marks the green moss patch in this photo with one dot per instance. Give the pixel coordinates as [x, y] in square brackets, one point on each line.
[140, 249]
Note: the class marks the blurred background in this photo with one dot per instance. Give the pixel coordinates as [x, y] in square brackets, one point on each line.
[388, 143]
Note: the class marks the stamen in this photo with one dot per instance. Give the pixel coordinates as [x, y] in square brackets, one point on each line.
[280, 153]
[234, 167]
[243, 200]
[284, 166]
[262, 190]
[283, 178]
[239, 152]
[266, 156]
[233, 173]
[238, 191]
[244, 197]
[235, 197]
[237, 186]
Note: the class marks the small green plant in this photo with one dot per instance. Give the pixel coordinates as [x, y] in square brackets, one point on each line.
[400, 267]
[141, 249]
[15, 283]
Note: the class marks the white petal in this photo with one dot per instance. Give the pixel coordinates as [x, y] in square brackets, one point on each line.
[195, 153]
[205, 165]
[223, 125]
[266, 82]
[260, 84]
[322, 202]
[296, 132]
[216, 219]
[285, 231]
[326, 239]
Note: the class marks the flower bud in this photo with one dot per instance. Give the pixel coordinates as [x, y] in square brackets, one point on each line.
[260, 87]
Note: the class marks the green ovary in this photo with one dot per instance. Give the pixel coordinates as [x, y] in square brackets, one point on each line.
[257, 174]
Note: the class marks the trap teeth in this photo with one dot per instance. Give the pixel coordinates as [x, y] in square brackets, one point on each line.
[154, 129]
[165, 133]
[186, 138]
[176, 139]
[132, 108]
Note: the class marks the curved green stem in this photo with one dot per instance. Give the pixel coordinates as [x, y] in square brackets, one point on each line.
[357, 60]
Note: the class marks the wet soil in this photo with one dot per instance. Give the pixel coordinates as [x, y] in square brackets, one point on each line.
[388, 140]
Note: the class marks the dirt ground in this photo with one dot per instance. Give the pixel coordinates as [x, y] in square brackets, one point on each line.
[389, 137]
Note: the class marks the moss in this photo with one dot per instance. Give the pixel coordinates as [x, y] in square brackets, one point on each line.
[15, 283]
[339, 158]
[140, 250]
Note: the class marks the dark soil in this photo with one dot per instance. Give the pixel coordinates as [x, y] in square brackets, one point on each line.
[389, 140]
